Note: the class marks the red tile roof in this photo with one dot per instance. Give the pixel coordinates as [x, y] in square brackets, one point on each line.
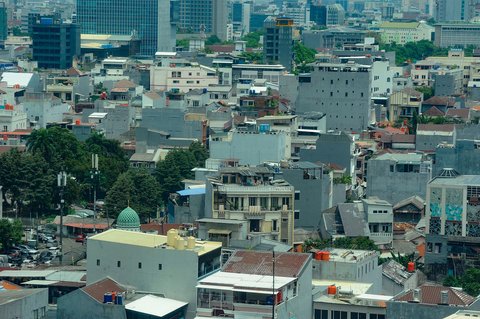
[260, 263]
[436, 127]
[99, 288]
[431, 294]
[433, 111]
[460, 113]
[440, 100]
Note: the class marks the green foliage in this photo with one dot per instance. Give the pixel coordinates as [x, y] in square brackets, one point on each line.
[303, 56]
[426, 90]
[413, 51]
[177, 166]
[402, 259]
[253, 39]
[470, 281]
[213, 39]
[345, 179]
[137, 189]
[10, 233]
[252, 57]
[184, 43]
[362, 243]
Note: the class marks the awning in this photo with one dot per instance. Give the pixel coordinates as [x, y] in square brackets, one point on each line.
[220, 231]
[192, 191]
[40, 282]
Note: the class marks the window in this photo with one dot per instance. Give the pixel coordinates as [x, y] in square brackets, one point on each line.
[159, 266]
[375, 316]
[358, 315]
[139, 265]
[98, 262]
[35, 314]
[119, 263]
[274, 225]
[297, 195]
[321, 314]
[297, 214]
[335, 314]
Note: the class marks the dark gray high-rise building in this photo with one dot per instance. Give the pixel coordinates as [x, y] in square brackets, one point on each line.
[153, 21]
[278, 41]
[454, 10]
[341, 91]
[208, 16]
[54, 43]
[3, 23]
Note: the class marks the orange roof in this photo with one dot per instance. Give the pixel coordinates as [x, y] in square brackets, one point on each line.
[7, 285]
[87, 226]
[421, 250]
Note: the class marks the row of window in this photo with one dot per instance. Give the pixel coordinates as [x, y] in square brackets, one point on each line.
[119, 264]
[337, 314]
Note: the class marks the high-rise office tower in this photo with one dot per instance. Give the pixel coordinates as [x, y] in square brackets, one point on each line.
[241, 16]
[153, 21]
[454, 10]
[54, 43]
[204, 16]
[278, 41]
[3, 23]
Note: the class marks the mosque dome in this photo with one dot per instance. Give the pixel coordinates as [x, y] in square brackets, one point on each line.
[128, 220]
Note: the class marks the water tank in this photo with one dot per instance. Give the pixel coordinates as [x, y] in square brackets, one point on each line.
[332, 290]
[119, 299]
[180, 245]
[326, 256]
[107, 298]
[191, 242]
[318, 255]
[171, 234]
[77, 122]
[411, 267]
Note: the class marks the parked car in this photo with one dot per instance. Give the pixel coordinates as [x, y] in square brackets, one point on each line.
[54, 250]
[81, 238]
[28, 249]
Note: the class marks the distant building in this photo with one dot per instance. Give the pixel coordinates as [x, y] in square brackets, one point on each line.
[335, 14]
[453, 232]
[404, 104]
[454, 10]
[396, 278]
[318, 14]
[3, 24]
[156, 28]
[64, 38]
[133, 258]
[270, 73]
[24, 303]
[208, 16]
[403, 32]
[241, 16]
[457, 34]
[278, 41]
[341, 91]
[463, 155]
[332, 38]
[404, 175]
[429, 136]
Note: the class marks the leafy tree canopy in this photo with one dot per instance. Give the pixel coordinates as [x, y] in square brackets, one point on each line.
[470, 281]
[413, 51]
[10, 233]
[253, 39]
[362, 243]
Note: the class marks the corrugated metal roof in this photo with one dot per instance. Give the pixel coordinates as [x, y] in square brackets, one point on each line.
[431, 294]
[261, 263]
[155, 306]
[99, 288]
[75, 276]
[13, 78]
[26, 273]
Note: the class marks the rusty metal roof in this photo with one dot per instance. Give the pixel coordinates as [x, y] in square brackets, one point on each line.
[431, 294]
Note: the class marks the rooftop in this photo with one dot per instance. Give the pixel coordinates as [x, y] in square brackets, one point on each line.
[399, 25]
[243, 281]
[373, 200]
[97, 289]
[149, 240]
[396, 272]
[8, 296]
[464, 314]
[349, 255]
[155, 306]
[464, 180]
[401, 157]
[260, 263]
[431, 294]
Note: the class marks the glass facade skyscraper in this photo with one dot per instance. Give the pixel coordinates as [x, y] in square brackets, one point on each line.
[150, 20]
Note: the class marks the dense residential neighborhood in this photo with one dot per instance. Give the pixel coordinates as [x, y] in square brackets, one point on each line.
[246, 159]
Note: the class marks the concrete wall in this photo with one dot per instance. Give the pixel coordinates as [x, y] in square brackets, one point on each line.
[391, 288]
[415, 310]
[24, 307]
[79, 305]
[464, 158]
[301, 305]
[399, 185]
[315, 196]
[430, 142]
[252, 148]
[176, 280]
[349, 308]
[343, 96]
[171, 121]
[331, 148]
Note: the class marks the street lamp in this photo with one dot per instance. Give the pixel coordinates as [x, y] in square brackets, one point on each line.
[61, 183]
[94, 176]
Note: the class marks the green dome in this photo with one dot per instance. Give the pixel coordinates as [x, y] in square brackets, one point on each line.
[128, 220]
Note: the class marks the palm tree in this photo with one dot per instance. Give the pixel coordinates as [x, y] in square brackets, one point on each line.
[41, 142]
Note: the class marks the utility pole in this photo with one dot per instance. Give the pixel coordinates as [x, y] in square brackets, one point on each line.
[274, 301]
[1, 202]
[61, 183]
[94, 176]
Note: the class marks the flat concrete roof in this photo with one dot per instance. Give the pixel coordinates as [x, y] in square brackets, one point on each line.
[132, 238]
[241, 282]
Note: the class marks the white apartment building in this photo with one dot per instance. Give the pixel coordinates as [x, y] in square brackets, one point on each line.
[12, 119]
[181, 75]
[403, 32]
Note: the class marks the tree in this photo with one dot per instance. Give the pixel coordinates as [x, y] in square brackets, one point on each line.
[199, 152]
[41, 142]
[135, 188]
[252, 57]
[253, 39]
[426, 90]
[470, 281]
[213, 39]
[303, 56]
[413, 51]
[10, 233]
[361, 243]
